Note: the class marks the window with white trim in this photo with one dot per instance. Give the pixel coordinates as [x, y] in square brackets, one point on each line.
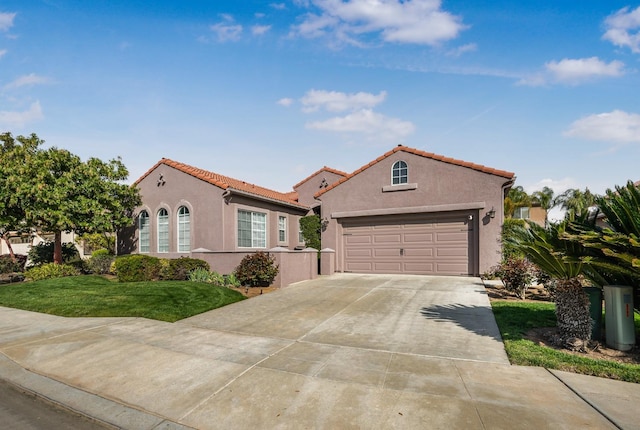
[184, 229]
[300, 235]
[521, 213]
[252, 229]
[144, 229]
[399, 173]
[282, 228]
[163, 230]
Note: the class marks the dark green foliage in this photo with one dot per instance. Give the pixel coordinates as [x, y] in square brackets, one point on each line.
[100, 261]
[257, 270]
[137, 268]
[178, 269]
[42, 253]
[8, 265]
[516, 274]
[311, 228]
[51, 270]
[509, 229]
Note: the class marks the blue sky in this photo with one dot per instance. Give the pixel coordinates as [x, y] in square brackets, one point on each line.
[269, 92]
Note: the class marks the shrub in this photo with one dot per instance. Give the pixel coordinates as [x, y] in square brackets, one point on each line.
[494, 272]
[179, 268]
[257, 270]
[510, 227]
[7, 265]
[231, 281]
[516, 274]
[200, 275]
[100, 261]
[137, 268]
[51, 270]
[42, 253]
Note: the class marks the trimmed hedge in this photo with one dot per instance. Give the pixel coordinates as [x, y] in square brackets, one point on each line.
[51, 270]
[137, 268]
[178, 269]
[257, 270]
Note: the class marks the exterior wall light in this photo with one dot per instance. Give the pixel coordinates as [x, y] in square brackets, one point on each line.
[492, 213]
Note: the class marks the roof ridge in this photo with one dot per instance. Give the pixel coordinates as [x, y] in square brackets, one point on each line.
[223, 181]
[323, 169]
[419, 152]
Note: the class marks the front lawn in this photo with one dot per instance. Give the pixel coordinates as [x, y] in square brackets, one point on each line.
[515, 319]
[96, 296]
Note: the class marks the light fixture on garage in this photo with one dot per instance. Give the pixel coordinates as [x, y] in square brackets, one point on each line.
[492, 213]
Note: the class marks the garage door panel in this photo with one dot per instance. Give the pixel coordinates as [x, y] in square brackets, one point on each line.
[424, 244]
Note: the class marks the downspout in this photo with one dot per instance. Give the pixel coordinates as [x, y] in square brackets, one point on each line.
[505, 190]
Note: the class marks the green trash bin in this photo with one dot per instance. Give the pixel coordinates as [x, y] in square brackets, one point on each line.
[595, 309]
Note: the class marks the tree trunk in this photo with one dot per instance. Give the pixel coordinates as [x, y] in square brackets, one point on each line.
[57, 248]
[5, 237]
[572, 310]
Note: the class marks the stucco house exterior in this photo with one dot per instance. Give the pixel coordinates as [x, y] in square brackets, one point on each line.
[410, 211]
[407, 211]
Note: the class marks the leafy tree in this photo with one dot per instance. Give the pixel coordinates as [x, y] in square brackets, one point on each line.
[311, 228]
[16, 155]
[95, 241]
[545, 199]
[67, 194]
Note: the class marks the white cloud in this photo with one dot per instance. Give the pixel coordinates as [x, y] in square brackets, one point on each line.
[575, 71]
[227, 30]
[409, 21]
[6, 20]
[258, 30]
[27, 80]
[367, 122]
[285, 102]
[616, 126]
[623, 28]
[469, 47]
[278, 6]
[334, 101]
[2, 52]
[18, 119]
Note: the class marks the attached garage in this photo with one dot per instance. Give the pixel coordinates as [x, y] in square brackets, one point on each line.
[421, 244]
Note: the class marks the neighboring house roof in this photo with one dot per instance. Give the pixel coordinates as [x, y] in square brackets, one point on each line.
[478, 167]
[226, 183]
[324, 169]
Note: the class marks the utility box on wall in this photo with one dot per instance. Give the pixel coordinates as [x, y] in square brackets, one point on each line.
[620, 329]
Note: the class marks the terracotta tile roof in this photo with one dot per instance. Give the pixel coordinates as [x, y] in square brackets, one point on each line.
[478, 167]
[324, 169]
[226, 182]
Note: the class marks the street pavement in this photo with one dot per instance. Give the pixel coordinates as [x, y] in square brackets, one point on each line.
[345, 351]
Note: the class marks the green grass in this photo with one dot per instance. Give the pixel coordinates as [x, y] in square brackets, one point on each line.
[96, 296]
[516, 318]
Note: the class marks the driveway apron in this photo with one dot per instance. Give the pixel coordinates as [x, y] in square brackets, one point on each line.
[346, 351]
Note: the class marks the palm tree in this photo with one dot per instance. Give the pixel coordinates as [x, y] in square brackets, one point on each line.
[551, 252]
[575, 202]
[516, 198]
[545, 199]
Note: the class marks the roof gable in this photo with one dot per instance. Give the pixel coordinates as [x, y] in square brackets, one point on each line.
[478, 167]
[225, 182]
[324, 169]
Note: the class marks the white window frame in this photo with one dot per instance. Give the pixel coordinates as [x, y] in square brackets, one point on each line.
[184, 229]
[282, 228]
[397, 176]
[257, 230]
[522, 212]
[144, 232]
[163, 231]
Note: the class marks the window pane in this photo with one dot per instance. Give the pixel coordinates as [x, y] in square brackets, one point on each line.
[282, 229]
[244, 229]
[259, 230]
[184, 230]
[163, 230]
[143, 232]
[399, 173]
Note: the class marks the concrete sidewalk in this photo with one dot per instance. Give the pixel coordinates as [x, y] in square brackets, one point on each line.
[347, 351]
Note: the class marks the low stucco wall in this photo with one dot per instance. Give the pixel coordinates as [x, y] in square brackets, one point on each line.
[294, 266]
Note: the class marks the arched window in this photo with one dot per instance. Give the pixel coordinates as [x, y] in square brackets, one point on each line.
[399, 173]
[144, 228]
[184, 230]
[163, 230]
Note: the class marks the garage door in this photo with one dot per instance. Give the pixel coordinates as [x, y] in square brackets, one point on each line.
[430, 244]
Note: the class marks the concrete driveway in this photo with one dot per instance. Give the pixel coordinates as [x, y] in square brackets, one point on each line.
[346, 351]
